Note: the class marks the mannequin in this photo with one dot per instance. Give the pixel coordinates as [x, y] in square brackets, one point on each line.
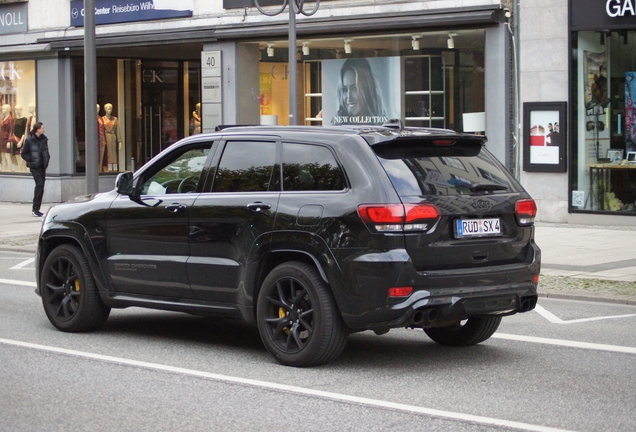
[20, 132]
[195, 121]
[6, 134]
[31, 120]
[113, 137]
[101, 140]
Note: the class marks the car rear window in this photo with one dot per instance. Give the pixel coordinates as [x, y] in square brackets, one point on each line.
[421, 168]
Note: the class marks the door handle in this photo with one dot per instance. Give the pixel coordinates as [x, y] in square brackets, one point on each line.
[258, 206]
[175, 207]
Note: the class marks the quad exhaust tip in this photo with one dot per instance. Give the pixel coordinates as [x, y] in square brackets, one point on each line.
[424, 316]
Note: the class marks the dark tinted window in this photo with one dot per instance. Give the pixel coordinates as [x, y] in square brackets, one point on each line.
[246, 166]
[310, 167]
[424, 170]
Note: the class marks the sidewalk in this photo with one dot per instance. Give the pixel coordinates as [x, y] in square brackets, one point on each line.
[570, 254]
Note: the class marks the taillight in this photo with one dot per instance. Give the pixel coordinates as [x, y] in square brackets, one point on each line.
[400, 291]
[398, 217]
[526, 210]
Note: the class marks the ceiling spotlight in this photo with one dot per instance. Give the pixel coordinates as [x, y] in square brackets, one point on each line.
[347, 46]
[451, 42]
[306, 48]
[270, 50]
[415, 43]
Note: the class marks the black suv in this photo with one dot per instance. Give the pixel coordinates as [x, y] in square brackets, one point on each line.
[308, 232]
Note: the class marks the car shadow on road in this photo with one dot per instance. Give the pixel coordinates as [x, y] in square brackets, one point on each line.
[399, 348]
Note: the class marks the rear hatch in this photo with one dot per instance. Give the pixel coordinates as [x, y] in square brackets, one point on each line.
[484, 216]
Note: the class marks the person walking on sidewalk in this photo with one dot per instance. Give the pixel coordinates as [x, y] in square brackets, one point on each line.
[35, 152]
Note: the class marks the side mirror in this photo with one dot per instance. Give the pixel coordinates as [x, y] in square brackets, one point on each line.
[124, 183]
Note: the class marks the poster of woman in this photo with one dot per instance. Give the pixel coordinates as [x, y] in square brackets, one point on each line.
[360, 90]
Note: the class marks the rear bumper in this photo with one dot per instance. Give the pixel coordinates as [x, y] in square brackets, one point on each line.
[441, 298]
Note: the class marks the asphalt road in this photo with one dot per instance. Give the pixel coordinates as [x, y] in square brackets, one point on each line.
[568, 365]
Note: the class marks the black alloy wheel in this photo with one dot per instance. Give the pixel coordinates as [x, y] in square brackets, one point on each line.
[468, 332]
[297, 317]
[68, 290]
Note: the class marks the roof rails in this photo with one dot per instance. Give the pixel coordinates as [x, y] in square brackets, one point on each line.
[394, 124]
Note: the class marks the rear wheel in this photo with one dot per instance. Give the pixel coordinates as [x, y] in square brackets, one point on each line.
[68, 290]
[298, 319]
[469, 332]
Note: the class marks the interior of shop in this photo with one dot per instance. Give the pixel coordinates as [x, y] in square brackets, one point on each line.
[604, 150]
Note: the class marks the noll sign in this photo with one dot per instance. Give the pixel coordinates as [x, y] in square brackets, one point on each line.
[121, 11]
[13, 18]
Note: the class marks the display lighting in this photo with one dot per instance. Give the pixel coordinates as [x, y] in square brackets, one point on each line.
[305, 48]
[415, 43]
[347, 46]
[451, 42]
[270, 50]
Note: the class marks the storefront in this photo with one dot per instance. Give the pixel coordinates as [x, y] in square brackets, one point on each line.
[603, 107]
[425, 67]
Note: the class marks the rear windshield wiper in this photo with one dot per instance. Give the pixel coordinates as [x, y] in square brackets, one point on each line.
[486, 187]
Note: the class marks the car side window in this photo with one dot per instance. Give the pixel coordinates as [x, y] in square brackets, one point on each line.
[310, 168]
[245, 166]
[180, 175]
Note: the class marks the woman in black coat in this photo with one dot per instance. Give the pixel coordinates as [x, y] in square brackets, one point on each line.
[35, 152]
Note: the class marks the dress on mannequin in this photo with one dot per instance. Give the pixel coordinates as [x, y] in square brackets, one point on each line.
[20, 132]
[101, 140]
[6, 134]
[113, 137]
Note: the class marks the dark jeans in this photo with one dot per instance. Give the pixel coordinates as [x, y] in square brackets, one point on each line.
[39, 175]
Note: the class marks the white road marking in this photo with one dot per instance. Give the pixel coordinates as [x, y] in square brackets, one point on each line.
[23, 264]
[292, 389]
[17, 282]
[567, 343]
[556, 320]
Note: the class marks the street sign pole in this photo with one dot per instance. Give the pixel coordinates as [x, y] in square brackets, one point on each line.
[91, 152]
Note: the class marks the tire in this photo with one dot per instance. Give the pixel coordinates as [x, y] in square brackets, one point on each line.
[69, 294]
[472, 332]
[297, 317]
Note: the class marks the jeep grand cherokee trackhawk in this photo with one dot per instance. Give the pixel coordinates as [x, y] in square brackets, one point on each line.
[310, 233]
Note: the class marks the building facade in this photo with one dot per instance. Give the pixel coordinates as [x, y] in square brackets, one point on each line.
[577, 64]
[167, 69]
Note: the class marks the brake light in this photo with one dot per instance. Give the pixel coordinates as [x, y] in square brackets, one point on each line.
[444, 143]
[400, 291]
[526, 210]
[398, 217]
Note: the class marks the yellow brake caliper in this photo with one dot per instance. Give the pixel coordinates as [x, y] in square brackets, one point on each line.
[281, 314]
[77, 285]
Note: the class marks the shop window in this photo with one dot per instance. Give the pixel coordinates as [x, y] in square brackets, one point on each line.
[426, 84]
[17, 104]
[604, 127]
[151, 105]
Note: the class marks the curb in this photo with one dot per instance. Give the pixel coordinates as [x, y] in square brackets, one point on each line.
[588, 298]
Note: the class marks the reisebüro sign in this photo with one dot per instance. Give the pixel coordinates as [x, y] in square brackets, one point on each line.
[13, 18]
[121, 11]
[602, 14]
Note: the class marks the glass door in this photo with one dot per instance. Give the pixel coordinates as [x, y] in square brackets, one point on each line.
[161, 111]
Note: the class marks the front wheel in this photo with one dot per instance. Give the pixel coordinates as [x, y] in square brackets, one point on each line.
[298, 319]
[68, 290]
[469, 332]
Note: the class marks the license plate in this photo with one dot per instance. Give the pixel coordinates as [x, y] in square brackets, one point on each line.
[477, 227]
